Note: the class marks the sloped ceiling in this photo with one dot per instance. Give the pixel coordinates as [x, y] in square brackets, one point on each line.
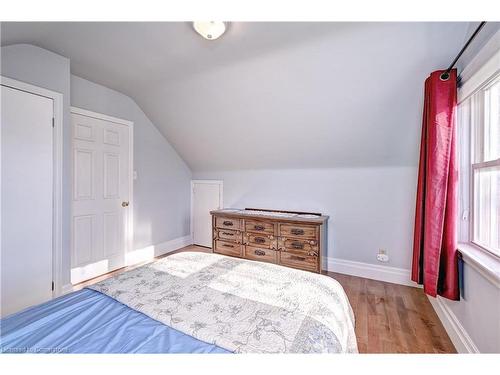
[266, 95]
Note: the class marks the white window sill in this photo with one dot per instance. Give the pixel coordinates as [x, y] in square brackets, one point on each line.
[486, 264]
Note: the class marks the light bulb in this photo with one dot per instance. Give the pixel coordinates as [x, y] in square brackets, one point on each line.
[210, 30]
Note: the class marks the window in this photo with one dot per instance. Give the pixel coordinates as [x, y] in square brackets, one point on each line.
[479, 117]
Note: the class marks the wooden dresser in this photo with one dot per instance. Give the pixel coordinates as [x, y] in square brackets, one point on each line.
[292, 239]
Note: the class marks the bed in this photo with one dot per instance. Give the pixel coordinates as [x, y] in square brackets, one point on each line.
[191, 302]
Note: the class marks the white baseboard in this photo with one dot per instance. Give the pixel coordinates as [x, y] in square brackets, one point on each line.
[457, 333]
[148, 253]
[145, 254]
[175, 244]
[370, 271]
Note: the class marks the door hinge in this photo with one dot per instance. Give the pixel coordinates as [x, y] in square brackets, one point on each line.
[53, 122]
[52, 286]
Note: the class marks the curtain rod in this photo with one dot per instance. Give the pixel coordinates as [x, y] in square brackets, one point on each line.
[446, 74]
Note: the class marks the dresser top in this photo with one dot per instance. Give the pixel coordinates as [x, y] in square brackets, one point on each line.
[304, 217]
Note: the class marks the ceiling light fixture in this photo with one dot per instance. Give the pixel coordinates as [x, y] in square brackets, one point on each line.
[210, 30]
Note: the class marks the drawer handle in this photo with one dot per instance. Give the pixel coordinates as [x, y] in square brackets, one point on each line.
[227, 245]
[294, 257]
[228, 234]
[297, 245]
[297, 232]
[258, 227]
[259, 252]
[259, 240]
[228, 223]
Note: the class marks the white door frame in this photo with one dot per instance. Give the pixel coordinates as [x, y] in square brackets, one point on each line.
[57, 134]
[130, 222]
[221, 200]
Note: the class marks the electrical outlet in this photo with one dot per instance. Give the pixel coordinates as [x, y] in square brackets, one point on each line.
[382, 256]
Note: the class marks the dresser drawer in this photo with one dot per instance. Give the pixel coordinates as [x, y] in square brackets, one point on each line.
[259, 226]
[227, 222]
[259, 240]
[295, 245]
[260, 253]
[228, 248]
[229, 235]
[304, 262]
[298, 231]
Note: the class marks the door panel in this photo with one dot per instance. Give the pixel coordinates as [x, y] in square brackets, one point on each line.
[84, 174]
[101, 184]
[26, 199]
[111, 175]
[111, 136]
[83, 238]
[113, 237]
[84, 132]
[206, 197]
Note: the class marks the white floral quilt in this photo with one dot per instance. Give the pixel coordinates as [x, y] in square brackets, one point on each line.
[240, 305]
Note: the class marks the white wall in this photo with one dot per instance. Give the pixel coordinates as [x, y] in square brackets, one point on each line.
[478, 312]
[369, 208]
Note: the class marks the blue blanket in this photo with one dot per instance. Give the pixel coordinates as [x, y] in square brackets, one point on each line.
[90, 322]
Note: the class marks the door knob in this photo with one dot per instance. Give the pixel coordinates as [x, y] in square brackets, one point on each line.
[125, 204]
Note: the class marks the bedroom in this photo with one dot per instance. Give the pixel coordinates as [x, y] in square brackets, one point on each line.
[171, 186]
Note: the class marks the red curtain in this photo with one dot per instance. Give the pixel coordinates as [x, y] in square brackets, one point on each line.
[435, 263]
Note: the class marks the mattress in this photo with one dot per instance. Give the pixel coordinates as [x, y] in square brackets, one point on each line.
[240, 305]
[90, 322]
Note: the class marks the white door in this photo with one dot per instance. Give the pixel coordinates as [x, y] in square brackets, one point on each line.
[101, 196]
[27, 210]
[207, 196]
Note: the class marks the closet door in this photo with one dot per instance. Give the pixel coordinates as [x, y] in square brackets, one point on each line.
[101, 196]
[206, 196]
[26, 202]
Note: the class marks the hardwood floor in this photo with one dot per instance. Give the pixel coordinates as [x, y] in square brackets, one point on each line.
[390, 318]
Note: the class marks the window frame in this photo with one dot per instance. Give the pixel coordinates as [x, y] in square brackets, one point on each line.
[474, 117]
